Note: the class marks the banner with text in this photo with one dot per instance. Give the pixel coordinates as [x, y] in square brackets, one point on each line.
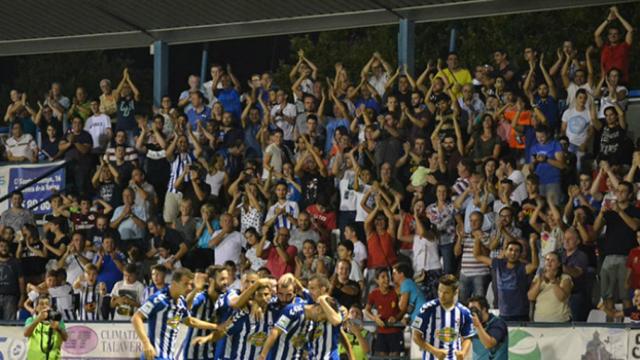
[568, 343]
[14, 176]
[86, 341]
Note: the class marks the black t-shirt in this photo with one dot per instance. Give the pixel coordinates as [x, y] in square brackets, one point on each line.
[84, 161]
[314, 185]
[189, 193]
[126, 114]
[619, 238]
[111, 193]
[614, 146]
[10, 272]
[172, 240]
[124, 171]
[345, 299]
[95, 236]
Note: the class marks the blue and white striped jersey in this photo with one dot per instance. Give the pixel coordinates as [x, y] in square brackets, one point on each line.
[177, 167]
[202, 308]
[247, 335]
[292, 344]
[163, 317]
[443, 329]
[150, 290]
[223, 311]
[324, 340]
[89, 298]
[290, 207]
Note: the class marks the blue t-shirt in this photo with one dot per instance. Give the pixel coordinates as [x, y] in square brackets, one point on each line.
[416, 297]
[194, 116]
[547, 173]
[230, 100]
[513, 285]
[203, 240]
[109, 272]
[497, 329]
[332, 125]
[549, 107]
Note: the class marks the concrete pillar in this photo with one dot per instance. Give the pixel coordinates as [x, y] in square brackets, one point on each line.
[406, 45]
[160, 51]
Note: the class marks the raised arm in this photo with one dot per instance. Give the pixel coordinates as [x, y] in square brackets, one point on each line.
[547, 79]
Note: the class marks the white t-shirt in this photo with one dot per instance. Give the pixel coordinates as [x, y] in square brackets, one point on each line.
[229, 248]
[74, 267]
[378, 83]
[256, 262]
[134, 291]
[520, 189]
[215, 181]
[359, 252]
[606, 101]
[347, 194]
[23, 146]
[571, 94]
[578, 123]
[356, 272]
[97, 126]
[289, 110]
[425, 254]
[361, 214]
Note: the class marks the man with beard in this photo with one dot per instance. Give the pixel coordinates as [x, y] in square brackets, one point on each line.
[164, 311]
[100, 231]
[450, 151]
[12, 284]
[512, 277]
[303, 232]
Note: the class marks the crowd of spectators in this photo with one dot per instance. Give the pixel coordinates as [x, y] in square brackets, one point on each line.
[525, 179]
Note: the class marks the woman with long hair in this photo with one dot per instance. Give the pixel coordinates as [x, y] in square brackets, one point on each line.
[551, 291]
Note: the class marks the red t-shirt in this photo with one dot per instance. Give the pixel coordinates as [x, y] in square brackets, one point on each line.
[381, 251]
[387, 306]
[408, 227]
[325, 220]
[616, 56]
[276, 264]
[633, 263]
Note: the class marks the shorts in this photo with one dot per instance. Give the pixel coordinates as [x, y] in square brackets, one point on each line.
[389, 343]
[612, 277]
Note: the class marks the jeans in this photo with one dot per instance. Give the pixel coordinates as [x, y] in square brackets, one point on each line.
[553, 190]
[579, 303]
[448, 258]
[8, 307]
[472, 286]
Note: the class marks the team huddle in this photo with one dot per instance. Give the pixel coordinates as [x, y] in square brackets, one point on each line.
[266, 320]
[277, 320]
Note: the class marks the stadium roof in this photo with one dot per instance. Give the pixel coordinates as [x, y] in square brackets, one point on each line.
[37, 26]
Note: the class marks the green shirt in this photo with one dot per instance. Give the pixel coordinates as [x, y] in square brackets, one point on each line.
[39, 341]
[357, 349]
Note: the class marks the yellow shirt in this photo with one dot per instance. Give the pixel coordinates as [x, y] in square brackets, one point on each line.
[458, 78]
[39, 341]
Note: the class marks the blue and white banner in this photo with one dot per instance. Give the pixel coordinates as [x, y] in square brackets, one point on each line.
[12, 177]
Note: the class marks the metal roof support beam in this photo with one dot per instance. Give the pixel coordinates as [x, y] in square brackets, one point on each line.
[407, 44]
[160, 51]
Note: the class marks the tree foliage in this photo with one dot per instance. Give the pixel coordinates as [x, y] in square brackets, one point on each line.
[477, 39]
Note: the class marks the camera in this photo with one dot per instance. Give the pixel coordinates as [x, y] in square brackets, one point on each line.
[54, 316]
